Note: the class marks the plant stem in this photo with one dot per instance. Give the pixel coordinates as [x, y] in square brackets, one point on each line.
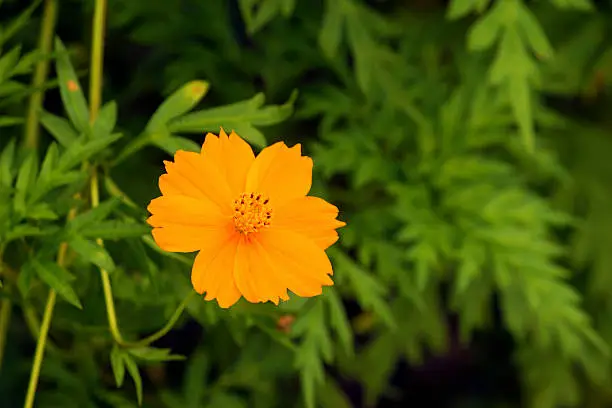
[113, 325]
[97, 59]
[32, 127]
[40, 349]
[44, 329]
[95, 100]
[95, 89]
[169, 324]
[6, 307]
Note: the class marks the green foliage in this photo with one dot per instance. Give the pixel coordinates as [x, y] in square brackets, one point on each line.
[467, 147]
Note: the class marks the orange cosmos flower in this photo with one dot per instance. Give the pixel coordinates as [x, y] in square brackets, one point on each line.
[257, 232]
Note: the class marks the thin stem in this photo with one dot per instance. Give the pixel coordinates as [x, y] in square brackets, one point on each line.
[32, 127]
[111, 314]
[95, 91]
[29, 315]
[97, 59]
[40, 349]
[169, 324]
[6, 307]
[95, 100]
[44, 328]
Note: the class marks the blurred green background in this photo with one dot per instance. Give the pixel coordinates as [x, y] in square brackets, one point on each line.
[466, 143]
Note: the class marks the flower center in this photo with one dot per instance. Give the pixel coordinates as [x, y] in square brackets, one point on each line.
[252, 212]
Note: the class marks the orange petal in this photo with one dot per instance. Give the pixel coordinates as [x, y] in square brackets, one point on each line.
[174, 183]
[280, 172]
[196, 176]
[295, 261]
[257, 280]
[312, 217]
[183, 210]
[232, 155]
[182, 238]
[185, 224]
[212, 270]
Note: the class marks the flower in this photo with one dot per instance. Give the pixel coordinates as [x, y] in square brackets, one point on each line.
[257, 231]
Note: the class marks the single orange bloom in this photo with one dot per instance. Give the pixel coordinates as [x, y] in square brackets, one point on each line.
[257, 232]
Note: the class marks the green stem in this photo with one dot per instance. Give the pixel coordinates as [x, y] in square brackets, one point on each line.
[95, 100]
[40, 350]
[169, 324]
[111, 314]
[32, 128]
[29, 315]
[44, 328]
[135, 145]
[97, 59]
[6, 307]
[114, 325]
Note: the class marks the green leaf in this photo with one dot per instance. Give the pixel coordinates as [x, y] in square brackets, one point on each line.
[93, 215]
[8, 62]
[49, 163]
[512, 60]
[520, 99]
[109, 230]
[132, 369]
[484, 32]
[240, 116]
[14, 26]
[24, 278]
[22, 231]
[151, 354]
[41, 211]
[27, 62]
[333, 396]
[70, 90]
[54, 180]
[92, 252]
[225, 400]
[177, 104]
[10, 121]
[59, 128]
[339, 322]
[533, 33]
[315, 348]
[170, 144]
[368, 290]
[364, 50]
[375, 366]
[195, 375]
[25, 179]
[58, 279]
[259, 13]
[105, 122]
[117, 364]
[79, 152]
[287, 7]
[6, 164]
[116, 399]
[332, 28]
[584, 5]
[472, 257]
[461, 8]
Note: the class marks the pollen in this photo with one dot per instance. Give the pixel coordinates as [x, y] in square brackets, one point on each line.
[252, 212]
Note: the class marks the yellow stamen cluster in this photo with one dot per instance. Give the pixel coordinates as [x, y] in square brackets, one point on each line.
[252, 212]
